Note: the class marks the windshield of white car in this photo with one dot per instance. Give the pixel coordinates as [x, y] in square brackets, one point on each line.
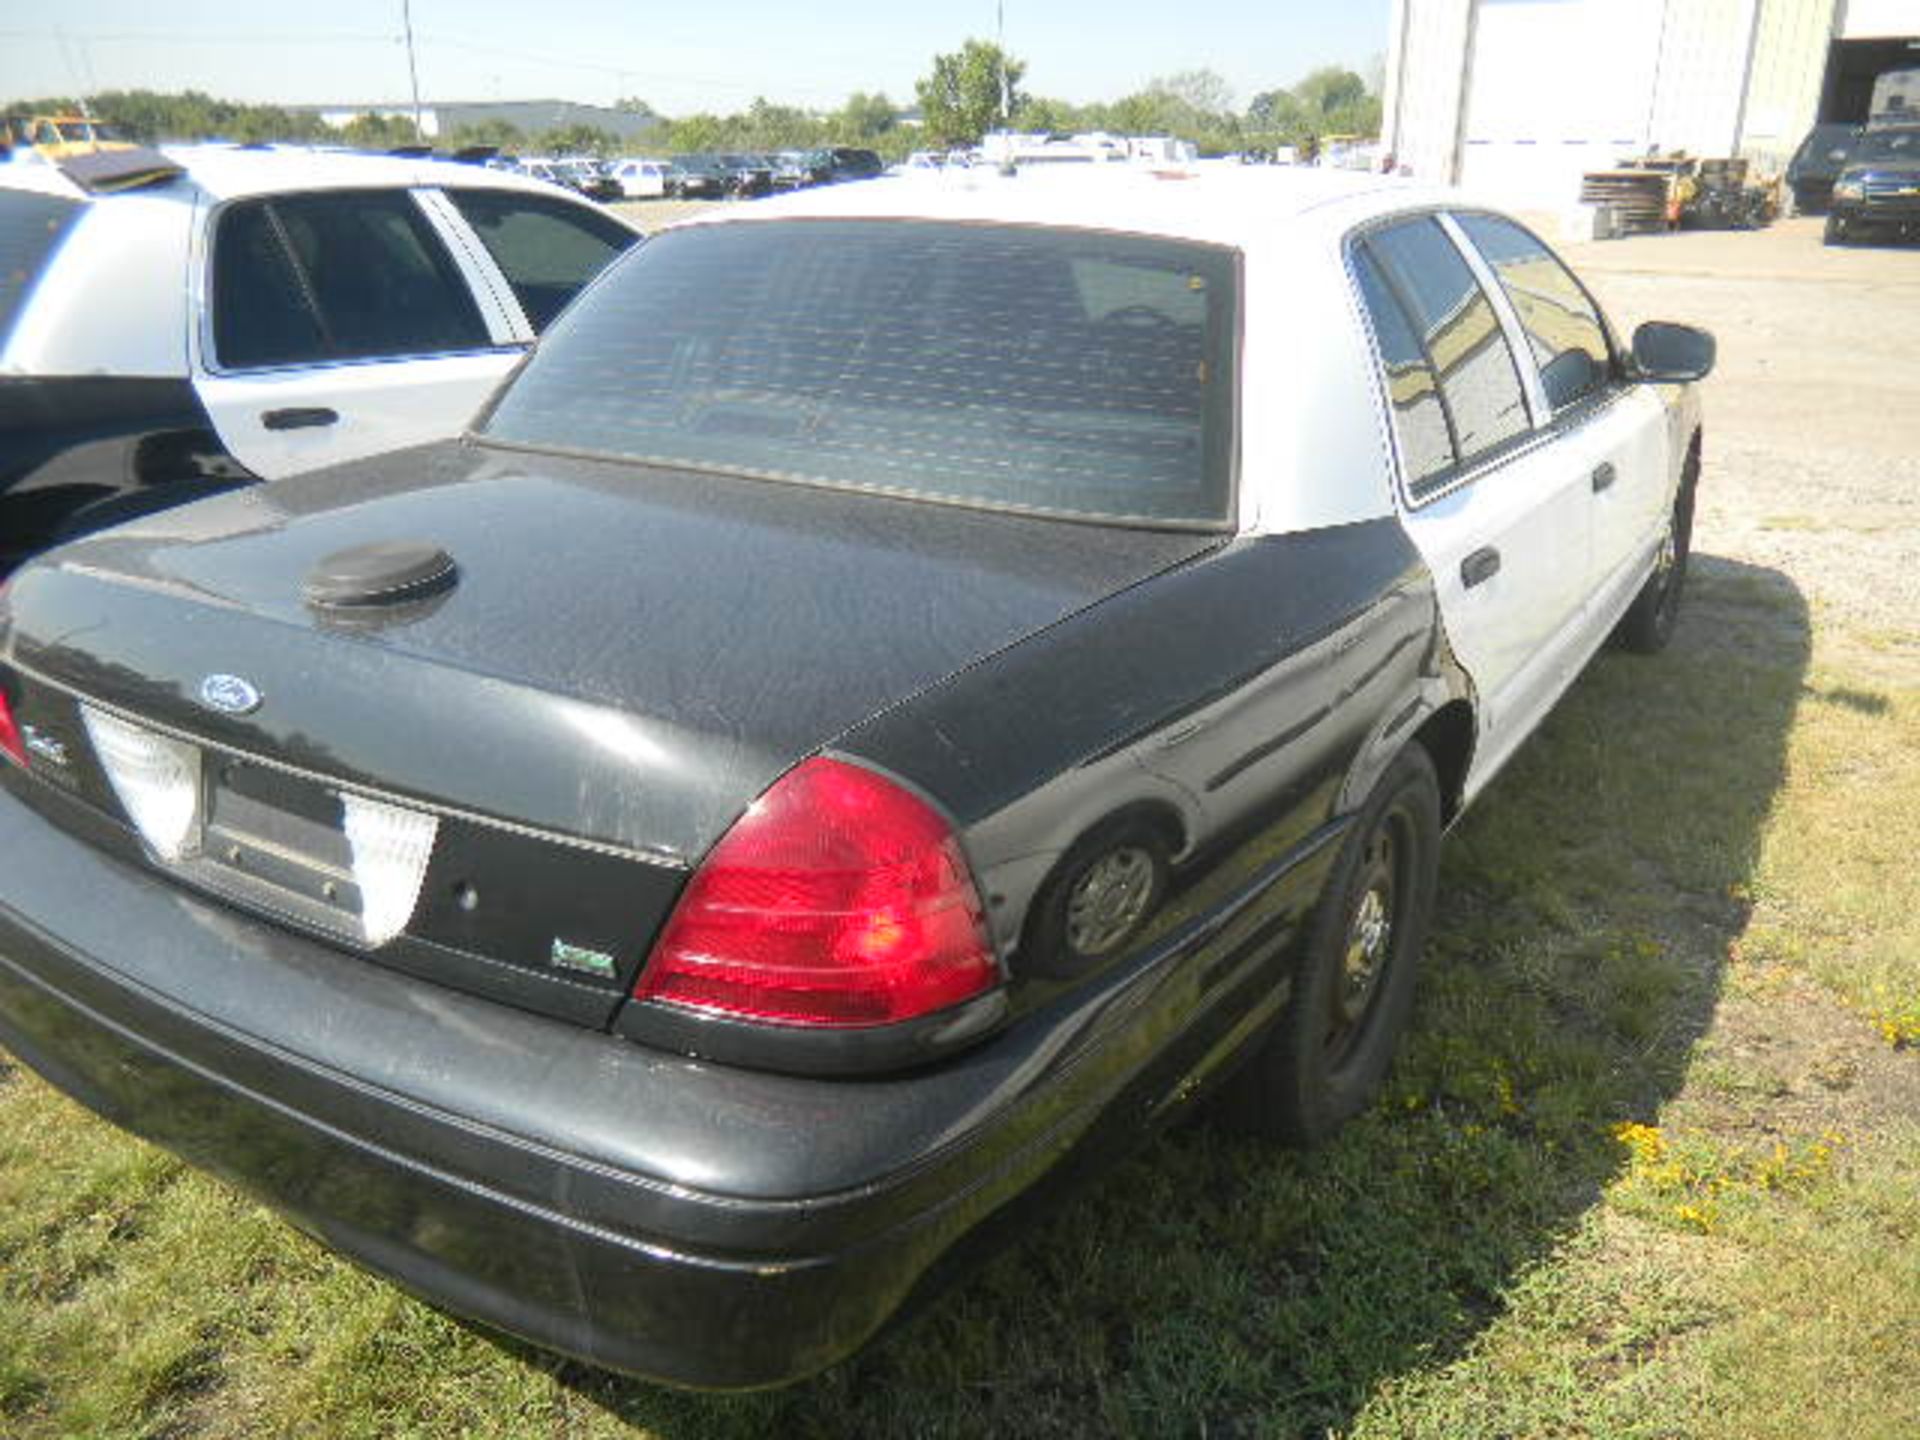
[1068, 372]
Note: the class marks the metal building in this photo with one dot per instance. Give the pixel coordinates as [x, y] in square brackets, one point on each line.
[1520, 97]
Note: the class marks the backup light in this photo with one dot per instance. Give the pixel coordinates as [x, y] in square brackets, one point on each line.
[391, 846]
[157, 779]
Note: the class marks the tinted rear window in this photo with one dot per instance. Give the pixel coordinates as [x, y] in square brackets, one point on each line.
[30, 227]
[1061, 371]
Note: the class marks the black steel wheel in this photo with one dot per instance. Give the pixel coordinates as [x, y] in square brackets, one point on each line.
[1648, 624]
[1352, 989]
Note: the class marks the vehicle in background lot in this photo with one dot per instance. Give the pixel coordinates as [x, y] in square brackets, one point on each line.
[589, 177]
[816, 765]
[1879, 191]
[696, 177]
[1896, 99]
[746, 176]
[847, 162]
[793, 170]
[253, 313]
[1817, 164]
[642, 179]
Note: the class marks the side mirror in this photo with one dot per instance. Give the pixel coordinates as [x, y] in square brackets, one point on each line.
[1666, 353]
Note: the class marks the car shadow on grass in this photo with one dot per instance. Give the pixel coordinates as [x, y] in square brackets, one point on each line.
[1215, 1284]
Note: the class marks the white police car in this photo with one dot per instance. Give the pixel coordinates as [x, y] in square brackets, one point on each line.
[179, 321]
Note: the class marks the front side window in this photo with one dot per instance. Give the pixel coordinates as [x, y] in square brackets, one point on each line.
[1054, 370]
[547, 249]
[1459, 333]
[340, 275]
[1563, 326]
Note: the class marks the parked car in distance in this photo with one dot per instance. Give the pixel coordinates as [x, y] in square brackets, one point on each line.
[848, 162]
[589, 176]
[642, 179]
[251, 313]
[1817, 164]
[1878, 194]
[696, 177]
[665, 874]
[796, 170]
[746, 176]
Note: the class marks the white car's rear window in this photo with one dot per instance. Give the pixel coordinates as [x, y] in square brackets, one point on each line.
[30, 228]
[1063, 371]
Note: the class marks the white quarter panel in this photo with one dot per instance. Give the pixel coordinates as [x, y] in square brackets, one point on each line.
[1312, 451]
[112, 301]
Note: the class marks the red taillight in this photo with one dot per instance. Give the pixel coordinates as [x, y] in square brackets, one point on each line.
[839, 899]
[10, 741]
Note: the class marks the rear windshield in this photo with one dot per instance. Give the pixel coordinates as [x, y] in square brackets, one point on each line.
[1069, 372]
[30, 227]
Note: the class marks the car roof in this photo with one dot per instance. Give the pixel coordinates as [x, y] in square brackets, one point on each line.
[1237, 207]
[228, 172]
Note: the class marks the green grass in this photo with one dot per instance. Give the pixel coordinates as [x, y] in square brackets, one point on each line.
[1647, 1167]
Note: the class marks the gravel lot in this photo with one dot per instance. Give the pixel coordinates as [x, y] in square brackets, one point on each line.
[1813, 414]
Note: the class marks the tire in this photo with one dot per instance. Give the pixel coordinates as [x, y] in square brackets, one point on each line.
[1327, 1054]
[1098, 899]
[1648, 624]
[1835, 232]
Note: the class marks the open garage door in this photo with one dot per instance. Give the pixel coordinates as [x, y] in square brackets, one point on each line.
[1854, 67]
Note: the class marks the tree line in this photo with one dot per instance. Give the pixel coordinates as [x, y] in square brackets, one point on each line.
[977, 88]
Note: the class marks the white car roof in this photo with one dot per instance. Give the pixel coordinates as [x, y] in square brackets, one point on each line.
[1240, 207]
[229, 172]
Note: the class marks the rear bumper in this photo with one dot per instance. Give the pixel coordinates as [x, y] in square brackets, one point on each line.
[681, 1221]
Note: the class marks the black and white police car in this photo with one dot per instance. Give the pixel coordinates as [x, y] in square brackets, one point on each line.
[667, 872]
[178, 321]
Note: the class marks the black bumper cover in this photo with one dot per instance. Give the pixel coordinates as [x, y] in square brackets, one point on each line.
[653, 1214]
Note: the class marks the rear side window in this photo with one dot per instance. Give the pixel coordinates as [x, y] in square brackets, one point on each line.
[1062, 371]
[1458, 332]
[1563, 325]
[1419, 418]
[342, 275]
[546, 248]
[30, 228]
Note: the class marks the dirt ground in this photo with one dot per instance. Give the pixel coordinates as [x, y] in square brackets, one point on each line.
[1813, 414]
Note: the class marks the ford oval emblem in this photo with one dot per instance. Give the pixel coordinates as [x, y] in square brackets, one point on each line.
[229, 694]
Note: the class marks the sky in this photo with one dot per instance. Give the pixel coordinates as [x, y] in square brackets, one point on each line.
[681, 59]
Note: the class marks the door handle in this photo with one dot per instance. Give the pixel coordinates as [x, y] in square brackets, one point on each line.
[302, 417]
[1482, 564]
[1603, 476]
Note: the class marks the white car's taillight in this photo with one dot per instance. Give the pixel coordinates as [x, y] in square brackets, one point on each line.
[391, 846]
[157, 779]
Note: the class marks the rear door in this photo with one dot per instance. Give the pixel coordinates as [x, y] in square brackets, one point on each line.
[1610, 429]
[337, 324]
[1500, 518]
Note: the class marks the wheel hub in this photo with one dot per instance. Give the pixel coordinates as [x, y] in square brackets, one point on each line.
[1109, 899]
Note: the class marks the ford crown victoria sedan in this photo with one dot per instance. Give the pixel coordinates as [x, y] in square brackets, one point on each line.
[181, 321]
[674, 873]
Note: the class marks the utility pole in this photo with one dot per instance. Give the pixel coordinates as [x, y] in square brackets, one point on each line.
[413, 71]
[1000, 59]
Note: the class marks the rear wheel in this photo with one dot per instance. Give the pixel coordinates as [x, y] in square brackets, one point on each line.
[1648, 624]
[1099, 899]
[1352, 993]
